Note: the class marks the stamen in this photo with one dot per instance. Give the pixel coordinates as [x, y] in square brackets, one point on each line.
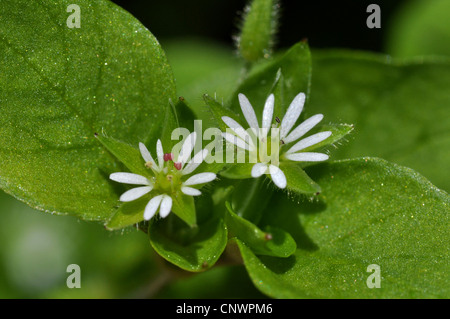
[177, 165]
[277, 119]
[149, 164]
[168, 157]
[169, 178]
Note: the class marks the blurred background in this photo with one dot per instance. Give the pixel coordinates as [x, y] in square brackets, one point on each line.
[37, 247]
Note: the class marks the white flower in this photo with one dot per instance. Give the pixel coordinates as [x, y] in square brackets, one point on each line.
[247, 140]
[166, 177]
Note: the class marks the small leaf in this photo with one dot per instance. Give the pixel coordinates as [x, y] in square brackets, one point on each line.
[184, 207]
[297, 180]
[128, 214]
[258, 29]
[238, 171]
[338, 132]
[272, 242]
[190, 248]
[295, 67]
[217, 111]
[125, 153]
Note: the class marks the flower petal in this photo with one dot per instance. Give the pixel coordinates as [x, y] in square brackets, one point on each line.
[200, 179]
[129, 178]
[292, 114]
[152, 207]
[195, 162]
[303, 128]
[146, 155]
[187, 148]
[258, 169]
[310, 140]
[248, 111]
[135, 193]
[190, 191]
[268, 111]
[237, 141]
[278, 176]
[307, 157]
[239, 130]
[160, 154]
[166, 206]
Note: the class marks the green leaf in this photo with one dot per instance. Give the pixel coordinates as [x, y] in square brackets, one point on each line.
[420, 28]
[217, 111]
[125, 153]
[190, 248]
[295, 67]
[62, 85]
[338, 132]
[184, 207]
[238, 171]
[371, 212]
[272, 242]
[399, 109]
[297, 180]
[250, 197]
[258, 29]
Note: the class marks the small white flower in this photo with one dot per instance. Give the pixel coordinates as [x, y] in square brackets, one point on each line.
[248, 140]
[166, 177]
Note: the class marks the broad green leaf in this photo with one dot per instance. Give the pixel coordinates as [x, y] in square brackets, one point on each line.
[420, 28]
[399, 109]
[370, 212]
[62, 85]
[298, 182]
[272, 242]
[295, 67]
[258, 29]
[190, 248]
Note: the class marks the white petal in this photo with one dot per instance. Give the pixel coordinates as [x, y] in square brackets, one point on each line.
[195, 162]
[278, 176]
[307, 157]
[160, 154]
[292, 114]
[166, 206]
[303, 128]
[146, 155]
[258, 169]
[129, 178]
[248, 111]
[152, 207]
[237, 141]
[190, 191]
[238, 130]
[187, 148]
[268, 111]
[308, 141]
[135, 193]
[200, 179]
